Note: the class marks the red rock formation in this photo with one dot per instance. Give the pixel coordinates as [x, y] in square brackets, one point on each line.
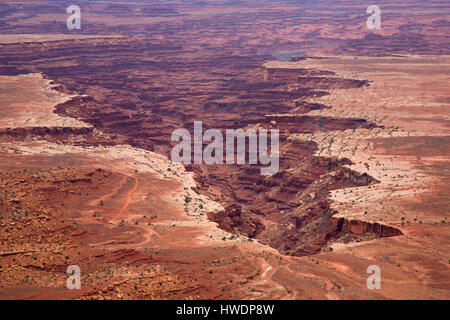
[358, 227]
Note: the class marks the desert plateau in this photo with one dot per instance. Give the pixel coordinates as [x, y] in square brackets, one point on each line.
[88, 179]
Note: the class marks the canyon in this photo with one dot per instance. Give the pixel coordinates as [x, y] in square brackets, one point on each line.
[85, 142]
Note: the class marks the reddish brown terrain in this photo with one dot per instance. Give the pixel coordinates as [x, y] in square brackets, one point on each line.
[86, 118]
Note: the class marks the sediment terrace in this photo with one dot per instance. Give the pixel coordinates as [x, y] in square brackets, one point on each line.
[179, 64]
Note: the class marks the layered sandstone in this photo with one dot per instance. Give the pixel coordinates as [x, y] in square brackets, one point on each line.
[85, 134]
